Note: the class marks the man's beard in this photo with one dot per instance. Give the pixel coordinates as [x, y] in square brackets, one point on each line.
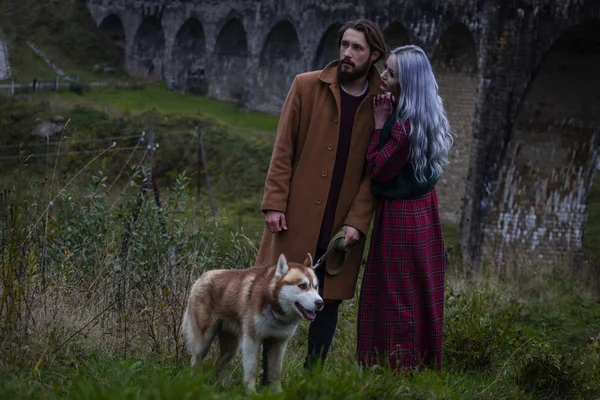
[350, 76]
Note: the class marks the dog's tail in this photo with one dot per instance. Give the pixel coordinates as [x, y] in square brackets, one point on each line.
[185, 323]
[189, 334]
[195, 341]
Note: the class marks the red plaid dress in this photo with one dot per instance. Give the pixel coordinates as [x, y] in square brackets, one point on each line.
[401, 308]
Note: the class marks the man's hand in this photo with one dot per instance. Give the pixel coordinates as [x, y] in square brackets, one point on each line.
[352, 234]
[275, 221]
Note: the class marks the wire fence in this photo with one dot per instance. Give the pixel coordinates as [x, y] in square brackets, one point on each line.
[68, 141]
[66, 153]
[146, 143]
[56, 85]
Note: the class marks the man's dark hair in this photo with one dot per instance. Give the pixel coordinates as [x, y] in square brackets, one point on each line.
[372, 33]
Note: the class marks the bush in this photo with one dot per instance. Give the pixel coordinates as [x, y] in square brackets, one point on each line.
[125, 260]
[558, 371]
[480, 328]
[79, 88]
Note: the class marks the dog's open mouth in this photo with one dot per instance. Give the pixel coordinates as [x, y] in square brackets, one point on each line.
[307, 315]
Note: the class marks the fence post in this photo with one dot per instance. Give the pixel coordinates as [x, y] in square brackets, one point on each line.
[202, 155]
[153, 181]
[199, 173]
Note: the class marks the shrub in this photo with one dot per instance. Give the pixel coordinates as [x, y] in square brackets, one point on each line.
[558, 371]
[479, 328]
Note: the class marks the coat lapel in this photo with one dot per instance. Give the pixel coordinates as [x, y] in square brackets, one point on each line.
[329, 75]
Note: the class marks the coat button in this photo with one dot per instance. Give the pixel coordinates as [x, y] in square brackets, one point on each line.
[323, 174]
[335, 120]
[318, 200]
[330, 147]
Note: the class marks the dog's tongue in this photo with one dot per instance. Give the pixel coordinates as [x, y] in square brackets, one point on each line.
[310, 315]
[307, 315]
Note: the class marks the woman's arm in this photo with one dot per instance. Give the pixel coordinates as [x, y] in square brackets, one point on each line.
[388, 161]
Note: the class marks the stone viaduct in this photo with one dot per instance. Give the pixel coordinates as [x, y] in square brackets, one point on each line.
[520, 80]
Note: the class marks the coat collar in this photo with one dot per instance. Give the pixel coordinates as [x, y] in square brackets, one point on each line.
[329, 75]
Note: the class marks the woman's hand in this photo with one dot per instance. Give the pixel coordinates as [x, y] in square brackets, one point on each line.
[383, 104]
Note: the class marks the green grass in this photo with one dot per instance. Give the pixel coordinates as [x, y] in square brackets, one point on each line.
[238, 144]
[67, 34]
[142, 378]
[86, 369]
[26, 65]
[592, 234]
[499, 343]
[175, 104]
[570, 321]
[147, 378]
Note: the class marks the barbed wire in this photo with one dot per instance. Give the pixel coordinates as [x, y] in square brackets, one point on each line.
[12, 146]
[67, 153]
[141, 139]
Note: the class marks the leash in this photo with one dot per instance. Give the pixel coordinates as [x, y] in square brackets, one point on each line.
[337, 242]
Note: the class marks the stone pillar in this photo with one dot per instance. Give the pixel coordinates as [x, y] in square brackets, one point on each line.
[507, 65]
[131, 24]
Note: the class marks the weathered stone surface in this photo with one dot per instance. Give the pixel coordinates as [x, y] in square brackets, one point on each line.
[47, 129]
[519, 80]
[5, 71]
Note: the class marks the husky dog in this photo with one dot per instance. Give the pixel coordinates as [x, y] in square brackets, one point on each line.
[250, 306]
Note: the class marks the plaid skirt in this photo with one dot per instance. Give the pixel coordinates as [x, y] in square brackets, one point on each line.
[401, 307]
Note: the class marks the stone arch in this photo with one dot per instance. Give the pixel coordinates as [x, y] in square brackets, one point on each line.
[396, 35]
[328, 49]
[229, 62]
[112, 26]
[113, 57]
[189, 57]
[280, 61]
[456, 50]
[540, 205]
[149, 48]
[454, 63]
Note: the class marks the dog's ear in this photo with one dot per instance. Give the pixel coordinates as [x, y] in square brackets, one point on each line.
[282, 267]
[309, 261]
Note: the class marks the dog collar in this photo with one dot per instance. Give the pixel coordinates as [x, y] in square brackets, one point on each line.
[274, 315]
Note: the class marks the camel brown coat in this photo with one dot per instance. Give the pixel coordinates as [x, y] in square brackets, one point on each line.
[299, 174]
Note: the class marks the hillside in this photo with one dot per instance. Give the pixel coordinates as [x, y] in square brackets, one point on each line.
[65, 32]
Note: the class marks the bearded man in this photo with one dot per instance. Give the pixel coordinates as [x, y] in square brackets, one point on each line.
[317, 183]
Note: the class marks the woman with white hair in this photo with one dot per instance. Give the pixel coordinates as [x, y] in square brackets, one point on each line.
[401, 311]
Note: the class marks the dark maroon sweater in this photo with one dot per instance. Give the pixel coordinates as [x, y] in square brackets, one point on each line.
[349, 105]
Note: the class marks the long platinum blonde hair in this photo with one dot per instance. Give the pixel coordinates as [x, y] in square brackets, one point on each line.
[421, 106]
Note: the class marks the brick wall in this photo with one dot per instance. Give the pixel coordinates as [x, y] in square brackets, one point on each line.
[455, 64]
[458, 91]
[539, 208]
